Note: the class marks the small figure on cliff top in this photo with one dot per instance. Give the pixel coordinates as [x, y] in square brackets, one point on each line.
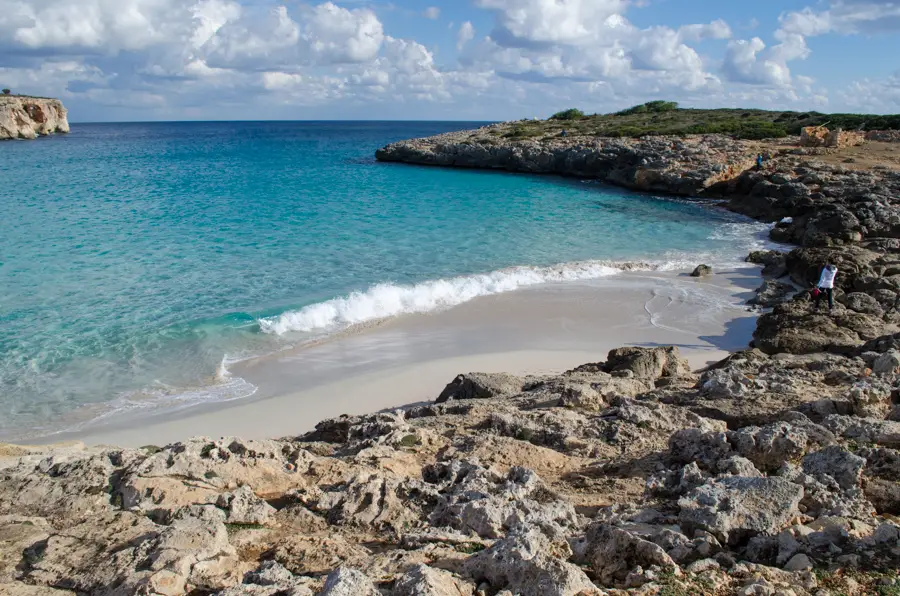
[564, 133]
[825, 287]
[759, 162]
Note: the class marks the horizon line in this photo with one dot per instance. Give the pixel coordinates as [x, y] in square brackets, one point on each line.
[278, 120]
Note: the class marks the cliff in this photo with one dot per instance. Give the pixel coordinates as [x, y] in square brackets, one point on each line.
[682, 166]
[24, 117]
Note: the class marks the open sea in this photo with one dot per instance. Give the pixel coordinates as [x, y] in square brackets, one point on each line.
[137, 261]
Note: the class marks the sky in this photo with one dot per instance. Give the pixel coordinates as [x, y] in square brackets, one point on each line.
[142, 60]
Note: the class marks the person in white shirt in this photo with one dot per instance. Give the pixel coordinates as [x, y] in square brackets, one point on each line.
[826, 286]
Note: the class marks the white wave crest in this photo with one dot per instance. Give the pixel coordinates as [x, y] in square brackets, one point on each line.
[389, 300]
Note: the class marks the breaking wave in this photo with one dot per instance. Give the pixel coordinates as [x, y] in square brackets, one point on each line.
[386, 300]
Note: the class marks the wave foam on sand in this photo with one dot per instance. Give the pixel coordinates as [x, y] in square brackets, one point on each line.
[386, 300]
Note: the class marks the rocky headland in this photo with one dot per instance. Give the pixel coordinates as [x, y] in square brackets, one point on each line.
[772, 472]
[23, 117]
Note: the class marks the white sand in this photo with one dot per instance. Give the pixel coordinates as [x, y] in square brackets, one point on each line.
[410, 359]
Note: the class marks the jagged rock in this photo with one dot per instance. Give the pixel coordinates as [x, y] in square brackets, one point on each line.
[773, 261]
[422, 580]
[481, 386]
[613, 553]
[317, 555]
[270, 579]
[528, 564]
[798, 562]
[736, 508]
[871, 398]
[880, 479]
[701, 271]
[244, 507]
[192, 552]
[770, 446]
[372, 499]
[863, 303]
[346, 581]
[474, 499]
[823, 495]
[791, 327]
[650, 363]
[887, 363]
[772, 292]
[726, 382]
[865, 430]
[694, 445]
[837, 463]
[24, 117]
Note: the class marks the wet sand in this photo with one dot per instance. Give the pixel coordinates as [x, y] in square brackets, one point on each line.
[409, 359]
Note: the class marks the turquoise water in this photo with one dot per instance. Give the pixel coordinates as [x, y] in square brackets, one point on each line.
[138, 259]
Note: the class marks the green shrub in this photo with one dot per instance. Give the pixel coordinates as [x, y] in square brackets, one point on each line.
[570, 114]
[655, 107]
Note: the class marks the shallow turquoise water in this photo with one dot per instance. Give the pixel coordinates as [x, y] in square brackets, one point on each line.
[135, 257]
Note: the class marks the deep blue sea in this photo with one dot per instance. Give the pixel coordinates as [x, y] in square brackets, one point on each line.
[138, 260]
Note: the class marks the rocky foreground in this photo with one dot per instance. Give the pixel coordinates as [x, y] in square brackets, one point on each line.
[763, 475]
[774, 472]
[24, 117]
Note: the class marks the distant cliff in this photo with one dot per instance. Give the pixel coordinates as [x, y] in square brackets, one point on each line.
[28, 117]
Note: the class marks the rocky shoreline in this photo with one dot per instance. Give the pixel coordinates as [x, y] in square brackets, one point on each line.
[23, 117]
[773, 472]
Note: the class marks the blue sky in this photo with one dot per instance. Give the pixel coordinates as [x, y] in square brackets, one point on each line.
[441, 59]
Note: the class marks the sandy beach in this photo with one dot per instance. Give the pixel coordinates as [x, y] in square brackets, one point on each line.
[541, 330]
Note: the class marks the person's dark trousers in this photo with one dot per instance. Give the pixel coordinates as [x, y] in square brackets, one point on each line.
[822, 293]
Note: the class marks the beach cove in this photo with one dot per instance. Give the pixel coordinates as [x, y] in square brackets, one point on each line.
[681, 462]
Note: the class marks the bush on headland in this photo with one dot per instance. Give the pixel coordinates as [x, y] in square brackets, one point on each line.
[667, 118]
[570, 114]
[655, 107]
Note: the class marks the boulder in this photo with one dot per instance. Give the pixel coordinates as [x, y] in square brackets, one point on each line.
[346, 581]
[648, 363]
[244, 507]
[422, 580]
[887, 363]
[835, 463]
[773, 261]
[701, 271]
[613, 553]
[481, 386]
[528, 564]
[770, 446]
[736, 508]
[772, 292]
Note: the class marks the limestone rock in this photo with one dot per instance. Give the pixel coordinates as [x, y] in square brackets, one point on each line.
[798, 562]
[528, 564]
[29, 117]
[346, 581]
[887, 363]
[422, 580]
[837, 463]
[481, 386]
[244, 507]
[736, 508]
[613, 553]
[649, 363]
[772, 292]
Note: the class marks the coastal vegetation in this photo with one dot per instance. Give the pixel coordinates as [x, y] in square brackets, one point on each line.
[668, 118]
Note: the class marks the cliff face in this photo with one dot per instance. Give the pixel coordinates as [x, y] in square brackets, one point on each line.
[29, 117]
[681, 166]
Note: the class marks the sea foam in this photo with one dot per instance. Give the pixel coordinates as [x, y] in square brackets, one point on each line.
[386, 300]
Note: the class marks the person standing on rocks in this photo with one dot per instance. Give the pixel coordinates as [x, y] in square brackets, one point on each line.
[759, 162]
[825, 286]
